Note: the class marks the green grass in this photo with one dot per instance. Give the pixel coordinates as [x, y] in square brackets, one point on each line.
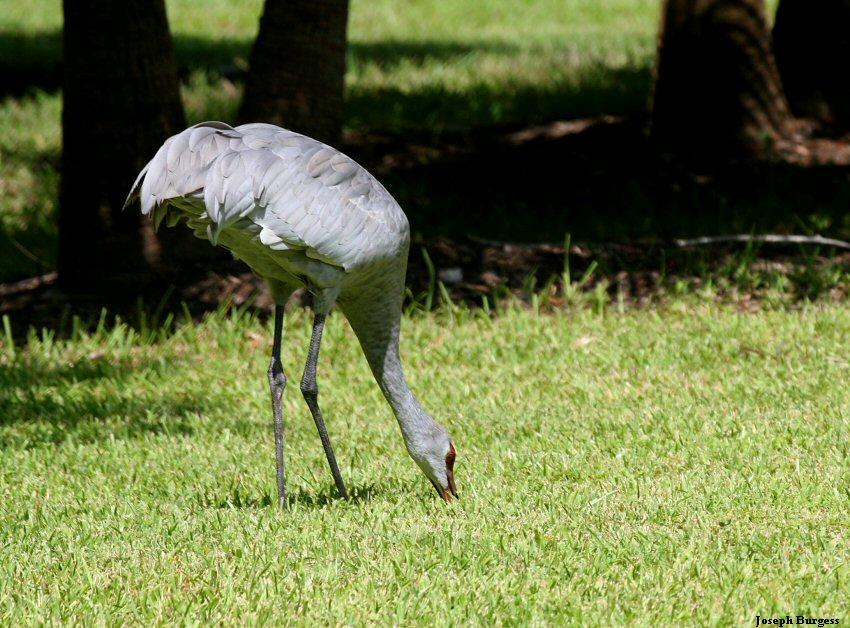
[684, 464]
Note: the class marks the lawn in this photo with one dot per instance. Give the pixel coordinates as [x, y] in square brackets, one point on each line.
[686, 463]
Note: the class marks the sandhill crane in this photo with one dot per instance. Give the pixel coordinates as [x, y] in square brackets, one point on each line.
[303, 214]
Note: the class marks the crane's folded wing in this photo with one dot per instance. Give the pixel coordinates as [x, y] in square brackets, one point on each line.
[300, 192]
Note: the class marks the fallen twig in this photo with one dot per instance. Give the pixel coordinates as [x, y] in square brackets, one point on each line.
[769, 238]
[28, 284]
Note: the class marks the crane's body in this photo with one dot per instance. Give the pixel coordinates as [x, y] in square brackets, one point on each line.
[302, 214]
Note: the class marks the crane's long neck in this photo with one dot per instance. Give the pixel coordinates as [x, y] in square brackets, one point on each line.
[376, 319]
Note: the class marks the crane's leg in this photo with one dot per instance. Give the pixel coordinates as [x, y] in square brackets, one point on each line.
[277, 383]
[310, 390]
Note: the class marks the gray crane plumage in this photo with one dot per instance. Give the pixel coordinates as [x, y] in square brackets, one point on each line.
[302, 214]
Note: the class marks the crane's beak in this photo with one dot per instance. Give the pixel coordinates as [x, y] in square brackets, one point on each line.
[450, 472]
[445, 493]
[450, 476]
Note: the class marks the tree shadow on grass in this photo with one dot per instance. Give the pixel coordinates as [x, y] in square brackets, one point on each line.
[34, 60]
[390, 53]
[41, 405]
[43, 374]
[432, 109]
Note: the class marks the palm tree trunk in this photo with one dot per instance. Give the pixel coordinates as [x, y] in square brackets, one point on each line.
[121, 99]
[717, 91]
[812, 41]
[297, 70]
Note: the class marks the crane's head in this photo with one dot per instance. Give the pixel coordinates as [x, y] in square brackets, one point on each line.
[436, 457]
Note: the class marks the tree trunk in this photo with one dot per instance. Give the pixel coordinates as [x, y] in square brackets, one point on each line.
[121, 100]
[717, 91]
[297, 70]
[812, 41]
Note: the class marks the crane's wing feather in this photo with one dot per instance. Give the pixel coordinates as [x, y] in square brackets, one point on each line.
[302, 194]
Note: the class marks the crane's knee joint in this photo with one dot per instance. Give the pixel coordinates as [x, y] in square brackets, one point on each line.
[277, 378]
[310, 390]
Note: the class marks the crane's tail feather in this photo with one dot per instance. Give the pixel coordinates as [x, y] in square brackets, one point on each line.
[178, 169]
[134, 190]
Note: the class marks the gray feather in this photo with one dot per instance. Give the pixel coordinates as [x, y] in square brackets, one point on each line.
[300, 193]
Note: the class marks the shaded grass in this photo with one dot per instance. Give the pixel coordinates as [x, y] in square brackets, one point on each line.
[30, 138]
[681, 464]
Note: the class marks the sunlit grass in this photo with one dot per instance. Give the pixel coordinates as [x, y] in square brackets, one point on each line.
[687, 464]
